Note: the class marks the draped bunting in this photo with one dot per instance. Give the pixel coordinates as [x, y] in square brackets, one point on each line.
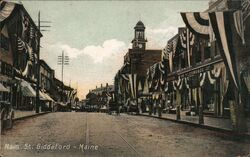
[161, 67]
[153, 70]
[239, 26]
[157, 84]
[145, 88]
[139, 86]
[194, 95]
[212, 76]
[245, 9]
[162, 81]
[224, 84]
[171, 62]
[246, 77]
[7, 8]
[133, 85]
[211, 80]
[164, 54]
[178, 84]
[197, 22]
[26, 70]
[187, 41]
[166, 87]
[125, 76]
[186, 82]
[171, 49]
[221, 24]
[202, 78]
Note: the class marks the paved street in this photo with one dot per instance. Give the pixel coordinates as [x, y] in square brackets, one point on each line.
[101, 135]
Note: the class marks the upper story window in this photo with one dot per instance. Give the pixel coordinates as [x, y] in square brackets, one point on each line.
[4, 42]
[207, 52]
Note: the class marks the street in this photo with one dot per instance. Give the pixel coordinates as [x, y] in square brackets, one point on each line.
[101, 135]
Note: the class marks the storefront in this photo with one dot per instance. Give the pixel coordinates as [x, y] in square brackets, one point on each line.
[205, 85]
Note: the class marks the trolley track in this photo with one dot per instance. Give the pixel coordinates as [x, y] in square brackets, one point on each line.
[113, 129]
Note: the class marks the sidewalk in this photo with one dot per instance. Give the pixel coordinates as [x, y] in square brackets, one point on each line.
[26, 114]
[209, 122]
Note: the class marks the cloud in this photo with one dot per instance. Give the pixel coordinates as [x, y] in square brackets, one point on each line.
[98, 53]
[159, 36]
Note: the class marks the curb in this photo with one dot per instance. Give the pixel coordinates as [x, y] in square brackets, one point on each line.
[30, 116]
[212, 128]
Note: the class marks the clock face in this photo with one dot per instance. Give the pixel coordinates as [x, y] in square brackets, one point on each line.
[140, 45]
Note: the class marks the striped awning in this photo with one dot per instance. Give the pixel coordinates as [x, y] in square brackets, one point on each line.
[27, 90]
[6, 9]
[48, 97]
[44, 97]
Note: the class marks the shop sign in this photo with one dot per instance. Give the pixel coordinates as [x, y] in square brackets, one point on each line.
[196, 71]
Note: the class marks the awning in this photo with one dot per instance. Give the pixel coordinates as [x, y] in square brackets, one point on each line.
[7, 8]
[45, 97]
[3, 89]
[27, 90]
[48, 97]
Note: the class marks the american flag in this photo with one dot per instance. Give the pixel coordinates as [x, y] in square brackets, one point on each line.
[32, 32]
[20, 44]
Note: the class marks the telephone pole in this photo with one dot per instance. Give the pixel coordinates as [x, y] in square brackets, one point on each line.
[63, 60]
[38, 62]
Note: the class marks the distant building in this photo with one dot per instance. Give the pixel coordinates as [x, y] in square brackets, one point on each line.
[99, 96]
[138, 59]
[131, 77]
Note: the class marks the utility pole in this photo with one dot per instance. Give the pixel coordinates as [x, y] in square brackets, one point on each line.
[38, 63]
[63, 60]
[38, 71]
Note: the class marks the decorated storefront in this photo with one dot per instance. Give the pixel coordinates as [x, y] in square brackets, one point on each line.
[206, 85]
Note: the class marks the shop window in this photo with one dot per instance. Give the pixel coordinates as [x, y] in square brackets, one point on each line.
[207, 53]
[198, 57]
[4, 42]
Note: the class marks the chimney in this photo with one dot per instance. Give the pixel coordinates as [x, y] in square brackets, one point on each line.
[107, 84]
[95, 87]
[101, 85]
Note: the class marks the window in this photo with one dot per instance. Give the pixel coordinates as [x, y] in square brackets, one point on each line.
[198, 57]
[207, 53]
[4, 42]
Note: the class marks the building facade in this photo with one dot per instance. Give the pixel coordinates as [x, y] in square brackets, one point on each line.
[129, 80]
[20, 39]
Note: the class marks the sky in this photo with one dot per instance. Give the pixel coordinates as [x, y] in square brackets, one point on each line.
[97, 34]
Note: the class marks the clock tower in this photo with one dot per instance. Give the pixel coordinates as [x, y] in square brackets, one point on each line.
[139, 41]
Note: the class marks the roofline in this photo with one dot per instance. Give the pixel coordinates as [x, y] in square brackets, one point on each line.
[45, 63]
[26, 12]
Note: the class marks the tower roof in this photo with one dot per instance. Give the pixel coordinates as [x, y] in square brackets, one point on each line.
[139, 25]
